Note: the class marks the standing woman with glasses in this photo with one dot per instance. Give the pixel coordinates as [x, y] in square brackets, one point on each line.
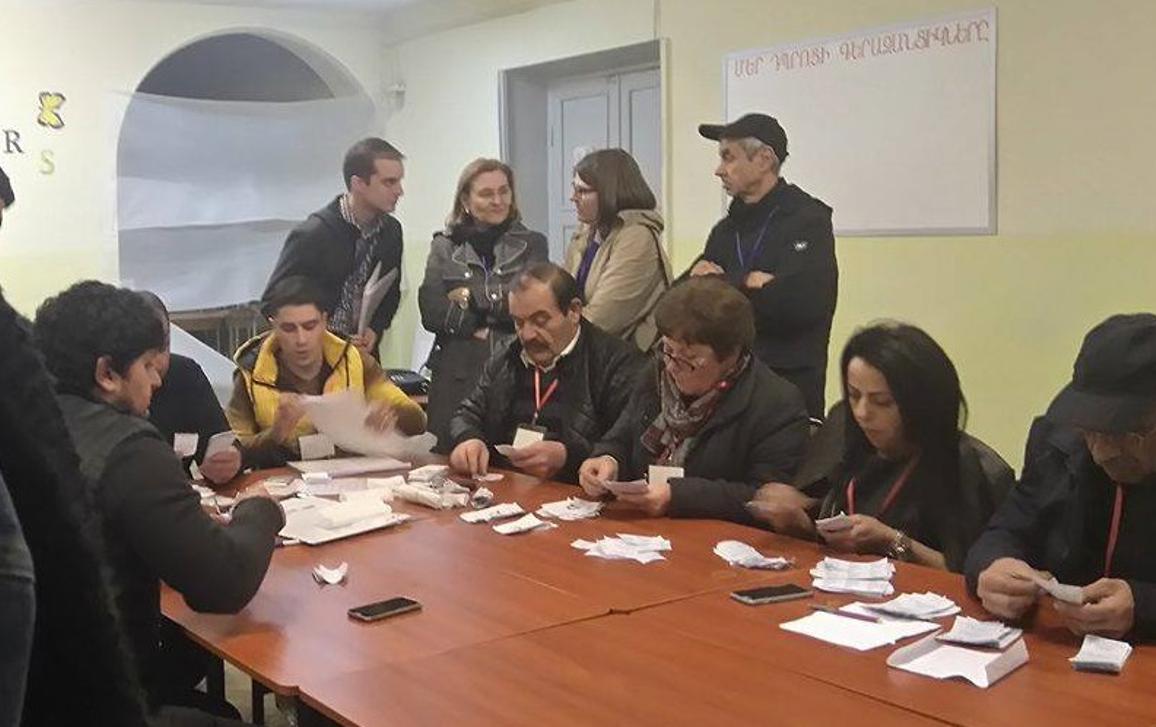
[616, 255]
[711, 410]
[467, 276]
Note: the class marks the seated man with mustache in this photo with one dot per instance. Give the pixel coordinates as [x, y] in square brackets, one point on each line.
[563, 381]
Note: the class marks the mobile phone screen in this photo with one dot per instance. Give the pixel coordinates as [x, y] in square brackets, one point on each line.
[384, 609]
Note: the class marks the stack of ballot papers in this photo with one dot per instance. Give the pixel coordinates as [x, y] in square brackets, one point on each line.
[923, 606]
[1101, 654]
[441, 496]
[873, 578]
[741, 554]
[640, 548]
[348, 466]
[340, 486]
[932, 657]
[523, 524]
[313, 520]
[973, 632]
[857, 627]
[572, 508]
[496, 512]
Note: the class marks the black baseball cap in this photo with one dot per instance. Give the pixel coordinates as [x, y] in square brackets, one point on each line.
[6, 193]
[1113, 387]
[759, 126]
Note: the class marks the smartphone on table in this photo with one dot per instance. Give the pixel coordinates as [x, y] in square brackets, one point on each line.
[384, 609]
[771, 594]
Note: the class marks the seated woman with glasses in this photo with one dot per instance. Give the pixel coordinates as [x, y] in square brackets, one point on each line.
[710, 422]
[893, 457]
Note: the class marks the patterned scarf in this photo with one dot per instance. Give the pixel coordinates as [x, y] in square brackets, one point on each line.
[344, 316]
[671, 434]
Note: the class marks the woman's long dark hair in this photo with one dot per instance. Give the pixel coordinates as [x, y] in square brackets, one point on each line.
[80, 671]
[925, 387]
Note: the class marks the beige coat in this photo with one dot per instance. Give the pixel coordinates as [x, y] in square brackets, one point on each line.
[627, 276]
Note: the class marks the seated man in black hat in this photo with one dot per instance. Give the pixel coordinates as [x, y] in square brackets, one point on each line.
[1083, 509]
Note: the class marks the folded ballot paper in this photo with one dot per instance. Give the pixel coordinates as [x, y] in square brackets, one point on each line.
[439, 497]
[932, 657]
[524, 524]
[857, 627]
[640, 548]
[923, 606]
[741, 554]
[495, 512]
[325, 575]
[572, 508]
[973, 632]
[341, 417]
[313, 520]
[1100, 654]
[872, 578]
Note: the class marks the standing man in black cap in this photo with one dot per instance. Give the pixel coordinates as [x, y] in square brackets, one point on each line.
[776, 245]
[1084, 509]
[6, 195]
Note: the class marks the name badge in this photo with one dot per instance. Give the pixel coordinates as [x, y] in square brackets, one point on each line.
[185, 444]
[526, 435]
[660, 474]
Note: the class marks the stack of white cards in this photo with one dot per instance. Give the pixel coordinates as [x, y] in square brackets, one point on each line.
[741, 554]
[873, 578]
[523, 524]
[973, 632]
[495, 512]
[918, 605]
[640, 548]
[1101, 654]
[572, 508]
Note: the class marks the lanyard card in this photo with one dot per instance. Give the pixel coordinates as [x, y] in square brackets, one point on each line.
[527, 434]
[660, 474]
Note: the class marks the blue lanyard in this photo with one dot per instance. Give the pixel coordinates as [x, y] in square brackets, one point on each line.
[758, 244]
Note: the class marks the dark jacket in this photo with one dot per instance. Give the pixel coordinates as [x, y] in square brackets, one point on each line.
[458, 358]
[984, 481]
[595, 381]
[1057, 519]
[155, 529]
[322, 248]
[793, 312]
[186, 403]
[756, 435]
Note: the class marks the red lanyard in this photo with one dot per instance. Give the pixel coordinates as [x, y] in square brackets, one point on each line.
[891, 494]
[539, 399]
[1114, 531]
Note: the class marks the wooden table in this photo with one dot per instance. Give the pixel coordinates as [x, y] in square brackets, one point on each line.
[613, 670]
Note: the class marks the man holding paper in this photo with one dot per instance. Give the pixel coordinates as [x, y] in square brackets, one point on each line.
[1084, 508]
[300, 357]
[352, 247]
[546, 398]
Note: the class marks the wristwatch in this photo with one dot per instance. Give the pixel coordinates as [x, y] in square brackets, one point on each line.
[900, 547]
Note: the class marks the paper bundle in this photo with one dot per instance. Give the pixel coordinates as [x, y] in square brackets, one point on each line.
[573, 508]
[1101, 654]
[522, 525]
[918, 605]
[973, 632]
[496, 512]
[872, 578]
[741, 554]
[640, 548]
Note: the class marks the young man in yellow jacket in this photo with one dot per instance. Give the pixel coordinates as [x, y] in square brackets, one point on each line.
[299, 357]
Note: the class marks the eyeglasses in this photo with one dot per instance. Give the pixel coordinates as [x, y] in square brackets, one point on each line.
[673, 358]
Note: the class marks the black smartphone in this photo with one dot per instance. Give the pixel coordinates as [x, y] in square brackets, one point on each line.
[384, 609]
[771, 594]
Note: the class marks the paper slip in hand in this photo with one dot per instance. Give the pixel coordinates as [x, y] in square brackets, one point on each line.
[497, 512]
[918, 605]
[524, 437]
[506, 450]
[858, 586]
[185, 444]
[1101, 654]
[332, 576]
[659, 475]
[315, 446]
[973, 632]
[855, 633]
[1060, 591]
[741, 554]
[835, 524]
[220, 442]
[570, 509]
[522, 525]
[836, 568]
[931, 657]
[634, 487]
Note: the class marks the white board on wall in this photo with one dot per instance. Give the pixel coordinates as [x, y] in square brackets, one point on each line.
[893, 127]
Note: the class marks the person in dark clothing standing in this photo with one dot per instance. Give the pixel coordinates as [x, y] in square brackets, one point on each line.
[101, 344]
[776, 244]
[352, 246]
[186, 404]
[1084, 507]
[7, 197]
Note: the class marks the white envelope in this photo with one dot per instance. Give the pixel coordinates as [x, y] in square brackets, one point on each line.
[931, 657]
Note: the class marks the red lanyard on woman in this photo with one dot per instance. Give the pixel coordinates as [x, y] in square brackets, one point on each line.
[539, 399]
[1114, 530]
[891, 494]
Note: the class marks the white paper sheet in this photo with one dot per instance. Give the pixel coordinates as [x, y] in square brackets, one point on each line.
[304, 518]
[856, 634]
[741, 554]
[376, 288]
[523, 524]
[350, 466]
[315, 446]
[931, 657]
[973, 632]
[573, 508]
[341, 417]
[1101, 654]
[495, 512]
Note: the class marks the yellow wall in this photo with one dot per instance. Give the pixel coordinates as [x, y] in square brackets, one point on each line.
[1075, 140]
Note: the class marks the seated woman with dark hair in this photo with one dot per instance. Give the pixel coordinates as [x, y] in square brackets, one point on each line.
[709, 409]
[913, 485]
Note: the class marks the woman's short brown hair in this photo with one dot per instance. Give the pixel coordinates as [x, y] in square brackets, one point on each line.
[616, 179]
[707, 310]
[472, 171]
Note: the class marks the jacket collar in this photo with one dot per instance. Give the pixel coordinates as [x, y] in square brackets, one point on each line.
[264, 366]
[507, 249]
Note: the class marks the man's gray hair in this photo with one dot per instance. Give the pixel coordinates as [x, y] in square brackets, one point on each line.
[751, 146]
